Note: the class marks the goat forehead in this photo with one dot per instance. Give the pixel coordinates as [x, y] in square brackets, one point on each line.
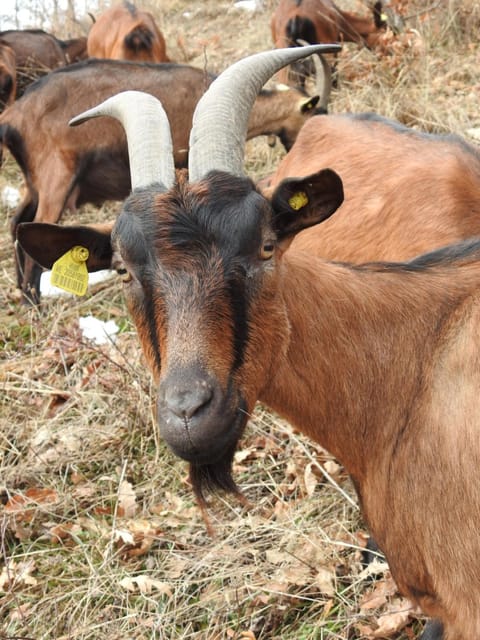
[204, 220]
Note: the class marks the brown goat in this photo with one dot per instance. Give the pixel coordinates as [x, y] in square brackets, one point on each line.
[35, 50]
[377, 362]
[8, 75]
[38, 52]
[321, 21]
[124, 32]
[64, 167]
[406, 192]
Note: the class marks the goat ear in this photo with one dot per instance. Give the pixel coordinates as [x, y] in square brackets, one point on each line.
[45, 243]
[299, 203]
[309, 104]
[379, 16]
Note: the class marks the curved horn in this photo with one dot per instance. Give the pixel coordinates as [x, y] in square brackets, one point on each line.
[220, 121]
[148, 134]
[323, 76]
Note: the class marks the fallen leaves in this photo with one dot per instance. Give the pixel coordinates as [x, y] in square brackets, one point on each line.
[17, 574]
[145, 584]
[394, 611]
[136, 538]
[24, 510]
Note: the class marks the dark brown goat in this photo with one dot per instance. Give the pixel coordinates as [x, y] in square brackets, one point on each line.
[378, 363]
[124, 32]
[38, 52]
[406, 192]
[8, 75]
[35, 50]
[321, 21]
[64, 167]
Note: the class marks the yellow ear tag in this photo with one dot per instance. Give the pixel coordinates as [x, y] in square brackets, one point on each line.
[298, 200]
[70, 272]
[383, 17]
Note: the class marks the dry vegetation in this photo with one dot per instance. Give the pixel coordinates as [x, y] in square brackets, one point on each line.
[100, 537]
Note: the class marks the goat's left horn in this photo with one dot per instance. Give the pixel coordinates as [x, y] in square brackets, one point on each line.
[220, 121]
[148, 134]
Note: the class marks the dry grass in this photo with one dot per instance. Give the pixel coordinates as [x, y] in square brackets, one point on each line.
[100, 536]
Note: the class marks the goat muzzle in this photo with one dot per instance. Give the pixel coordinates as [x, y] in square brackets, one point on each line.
[198, 419]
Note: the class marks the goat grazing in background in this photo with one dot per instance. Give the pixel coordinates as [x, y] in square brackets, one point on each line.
[321, 21]
[125, 32]
[35, 50]
[64, 167]
[378, 363]
[35, 53]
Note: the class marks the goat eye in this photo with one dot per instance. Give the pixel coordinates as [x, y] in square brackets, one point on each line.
[266, 252]
[125, 276]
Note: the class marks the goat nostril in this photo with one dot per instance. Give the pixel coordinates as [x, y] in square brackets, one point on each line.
[185, 403]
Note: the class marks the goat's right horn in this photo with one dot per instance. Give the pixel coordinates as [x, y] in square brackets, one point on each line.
[148, 134]
[220, 121]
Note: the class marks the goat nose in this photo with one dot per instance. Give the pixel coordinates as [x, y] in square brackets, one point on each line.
[186, 402]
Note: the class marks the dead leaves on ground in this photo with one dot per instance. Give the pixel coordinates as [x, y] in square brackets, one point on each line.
[289, 576]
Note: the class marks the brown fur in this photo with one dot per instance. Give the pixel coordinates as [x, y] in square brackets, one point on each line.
[391, 399]
[405, 192]
[110, 35]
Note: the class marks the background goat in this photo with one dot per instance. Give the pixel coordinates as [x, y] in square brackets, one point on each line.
[321, 21]
[377, 363]
[125, 32]
[64, 168]
[38, 52]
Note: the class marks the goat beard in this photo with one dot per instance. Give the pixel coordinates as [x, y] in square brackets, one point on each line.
[217, 476]
[210, 478]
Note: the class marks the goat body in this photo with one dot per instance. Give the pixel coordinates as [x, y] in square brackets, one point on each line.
[64, 167]
[125, 32]
[406, 192]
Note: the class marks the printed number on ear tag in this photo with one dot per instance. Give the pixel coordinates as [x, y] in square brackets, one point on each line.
[70, 271]
[298, 200]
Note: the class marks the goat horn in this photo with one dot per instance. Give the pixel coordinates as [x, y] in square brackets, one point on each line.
[148, 134]
[220, 121]
[323, 76]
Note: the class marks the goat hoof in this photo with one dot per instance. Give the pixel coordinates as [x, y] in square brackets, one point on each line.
[433, 631]
[371, 552]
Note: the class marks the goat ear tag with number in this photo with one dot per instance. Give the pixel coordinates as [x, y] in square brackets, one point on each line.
[298, 200]
[70, 271]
